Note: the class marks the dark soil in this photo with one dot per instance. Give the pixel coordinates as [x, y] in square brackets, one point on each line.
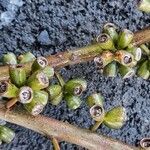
[46, 27]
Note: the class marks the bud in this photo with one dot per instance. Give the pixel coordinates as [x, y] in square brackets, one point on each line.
[111, 30]
[105, 42]
[25, 95]
[39, 63]
[104, 59]
[125, 38]
[9, 59]
[55, 94]
[26, 57]
[95, 99]
[125, 58]
[8, 90]
[115, 118]
[38, 103]
[110, 70]
[143, 70]
[75, 86]
[145, 49]
[144, 5]
[38, 81]
[73, 102]
[6, 134]
[97, 113]
[126, 72]
[49, 71]
[17, 75]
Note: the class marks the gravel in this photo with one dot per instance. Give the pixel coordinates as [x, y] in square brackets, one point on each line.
[47, 27]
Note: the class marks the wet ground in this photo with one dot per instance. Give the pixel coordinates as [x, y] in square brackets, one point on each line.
[47, 27]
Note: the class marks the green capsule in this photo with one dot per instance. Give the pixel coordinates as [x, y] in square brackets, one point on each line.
[9, 59]
[8, 90]
[38, 103]
[49, 71]
[38, 81]
[39, 63]
[145, 49]
[17, 75]
[144, 5]
[143, 70]
[125, 38]
[126, 72]
[110, 70]
[104, 59]
[75, 86]
[73, 102]
[26, 57]
[115, 118]
[111, 30]
[136, 52]
[105, 42]
[6, 134]
[55, 94]
[125, 58]
[25, 95]
[145, 144]
[97, 113]
[95, 99]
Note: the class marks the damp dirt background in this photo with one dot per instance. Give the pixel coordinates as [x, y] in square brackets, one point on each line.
[46, 27]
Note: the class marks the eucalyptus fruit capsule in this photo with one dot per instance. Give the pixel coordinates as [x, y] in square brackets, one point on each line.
[126, 72]
[73, 102]
[26, 57]
[115, 118]
[48, 71]
[75, 86]
[104, 59]
[55, 94]
[38, 103]
[9, 59]
[105, 42]
[17, 75]
[145, 143]
[110, 70]
[143, 70]
[111, 30]
[125, 58]
[38, 81]
[144, 5]
[39, 63]
[136, 52]
[97, 113]
[125, 38]
[95, 99]
[6, 134]
[145, 49]
[25, 95]
[8, 90]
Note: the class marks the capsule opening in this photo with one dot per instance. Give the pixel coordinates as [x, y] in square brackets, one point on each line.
[78, 90]
[97, 112]
[99, 62]
[42, 61]
[145, 143]
[3, 87]
[43, 79]
[102, 38]
[25, 95]
[127, 59]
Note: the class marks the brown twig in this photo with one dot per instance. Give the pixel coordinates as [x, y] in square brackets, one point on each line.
[63, 131]
[79, 55]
